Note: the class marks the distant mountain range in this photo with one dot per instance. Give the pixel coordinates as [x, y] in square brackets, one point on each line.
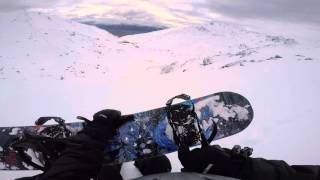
[125, 29]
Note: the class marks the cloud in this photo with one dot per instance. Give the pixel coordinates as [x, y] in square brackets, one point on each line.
[174, 12]
[109, 12]
[306, 11]
[139, 12]
[12, 5]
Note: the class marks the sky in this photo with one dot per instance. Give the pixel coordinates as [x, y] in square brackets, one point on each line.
[173, 13]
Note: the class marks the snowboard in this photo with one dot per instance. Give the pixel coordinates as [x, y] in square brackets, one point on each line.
[145, 134]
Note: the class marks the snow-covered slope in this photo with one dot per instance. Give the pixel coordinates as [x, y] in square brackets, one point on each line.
[277, 73]
[220, 45]
[35, 45]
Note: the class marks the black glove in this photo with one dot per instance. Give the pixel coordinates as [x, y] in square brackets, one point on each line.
[104, 125]
[214, 160]
[153, 165]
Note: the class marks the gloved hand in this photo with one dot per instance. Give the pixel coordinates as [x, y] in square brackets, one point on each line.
[82, 156]
[104, 124]
[214, 160]
[153, 165]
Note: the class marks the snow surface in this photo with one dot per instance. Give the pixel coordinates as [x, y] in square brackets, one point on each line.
[53, 67]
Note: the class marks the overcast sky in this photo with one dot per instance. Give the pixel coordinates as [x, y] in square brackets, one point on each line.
[174, 12]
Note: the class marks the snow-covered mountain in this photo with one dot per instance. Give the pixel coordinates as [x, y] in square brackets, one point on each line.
[36, 45]
[220, 45]
[49, 66]
[30, 42]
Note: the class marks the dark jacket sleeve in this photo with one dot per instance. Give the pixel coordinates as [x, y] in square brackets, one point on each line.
[263, 169]
[80, 160]
[224, 162]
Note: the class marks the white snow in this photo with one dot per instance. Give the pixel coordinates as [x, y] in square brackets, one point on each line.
[2, 165]
[49, 66]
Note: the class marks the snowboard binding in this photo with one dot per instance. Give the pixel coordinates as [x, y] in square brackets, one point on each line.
[46, 141]
[57, 131]
[48, 148]
[185, 123]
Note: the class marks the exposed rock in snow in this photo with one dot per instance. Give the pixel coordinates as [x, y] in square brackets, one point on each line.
[207, 61]
[236, 63]
[275, 57]
[283, 40]
[168, 68]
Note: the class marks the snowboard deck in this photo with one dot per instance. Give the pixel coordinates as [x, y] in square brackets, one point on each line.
[147, 134]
